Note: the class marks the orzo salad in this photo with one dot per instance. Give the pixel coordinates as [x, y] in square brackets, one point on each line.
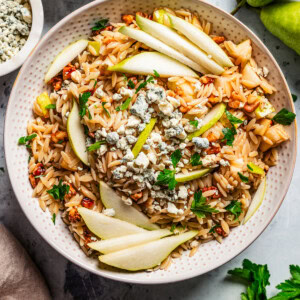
[156, 137]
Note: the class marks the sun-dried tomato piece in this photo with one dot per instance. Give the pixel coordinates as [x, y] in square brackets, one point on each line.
[213, 149]
[218, 39]
[56, 82]
[67, 71]
[87, 202]
[39, 170]
[74, 215]
[128, 19]
[137, 196]
[220, 231]
[33, 181]
[209, 188]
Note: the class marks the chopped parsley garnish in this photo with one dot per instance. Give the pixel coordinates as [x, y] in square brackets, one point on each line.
[53, 218]
[131, 84]
[195, 160]
[249, 167]
[95, 146]
[194, 123]
[83, 108]
[95, 83]
[175, 157]
[156, 74]
[125, 77]
[173, 227]
[60, 142]
[213, 229]
[199, 206]
[232, 119]
[144, 84]
[101, 24]
[235, 207]
[105, 109]
[295, 97]
[284, 117]
[24, 139]
[50, 106]
[29, 158]
[243, 177]
[86, 129]
[124, 105]
[257, 277]
[59, 191]
[229, 134]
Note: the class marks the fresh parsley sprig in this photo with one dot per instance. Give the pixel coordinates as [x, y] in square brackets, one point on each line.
[105, 109]
[235, 207]
[144, 84]
[131, 84]
[194, 123]
[83, 108]
[156, 74]
[229, 133]
[176, 157]
[199, 206]
[284, 117]
[53, 219]
[95, 146]
[195, 160]
[232, 119]
[24, 139]
[243, 177]
[101, 24]
[59, 191]
[124, 105]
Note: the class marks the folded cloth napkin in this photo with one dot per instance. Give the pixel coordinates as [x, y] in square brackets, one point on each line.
[19, 277]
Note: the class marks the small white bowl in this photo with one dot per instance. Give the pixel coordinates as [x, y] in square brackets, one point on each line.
[34, 36]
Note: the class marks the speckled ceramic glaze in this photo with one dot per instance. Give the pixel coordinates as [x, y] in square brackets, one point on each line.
[30, 83]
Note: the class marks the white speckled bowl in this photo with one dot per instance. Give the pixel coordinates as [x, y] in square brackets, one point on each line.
[30, 83]
[34, 36]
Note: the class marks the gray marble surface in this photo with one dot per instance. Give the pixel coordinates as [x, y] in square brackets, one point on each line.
[278, 246]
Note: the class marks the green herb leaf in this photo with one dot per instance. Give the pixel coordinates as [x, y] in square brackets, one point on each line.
[53, 218]
[194, 123]
[175, 157]
[232, 119]
[295, 97]
[83, 108]
[229, 135]
[235, 208]
[50, 106]
[243, 177]
[212, 230]
[95, 146]
[95, 83]
[173, 227]
[284, 117]
[59, 191]
[105, 109]
[195, 160]
[167, 177]
[249, 167]
[101, 24]
[86, 129]
[131, 84]
[124, 105]
[24, 139]
[156, 74]
[125, 77]
[60, 142]
[29, 158]
[144, 84]
[199, 206]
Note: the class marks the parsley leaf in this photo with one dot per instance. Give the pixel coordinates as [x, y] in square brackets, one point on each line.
[229, 135]
[95, 146]
[284, 117]
[24, 139]
[235, 208]
[59, 191]
[156, 74]
[243, 177]
[257, 277]
[105, 109]
[143, 84]
[86, 129]
[290, 289]
[101, 24]
[175, 157]
[50, 106]
[199, 206]
[131, 84]
[249, 167]
[295, 97]
[232, 119]
[95, 83]
[124, 105]
[173, 227]
[195, 160]
[125, 77]
[212, 230]
[53, 218]
[194, 123]
[166, 177]
[83, 99]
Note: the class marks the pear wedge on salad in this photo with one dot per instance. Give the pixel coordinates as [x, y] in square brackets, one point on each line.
[107, 227]
[201, 39]
[65, 57]
[180, 43]
[145, 63]
[209, 120]
[124, 242]
[181, 177]
[111, 199]
[146, 256]
[159, 46]
[257, 200]
[76, 135]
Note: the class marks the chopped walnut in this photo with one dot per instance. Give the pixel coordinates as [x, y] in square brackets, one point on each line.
[128, 19]
[74, 215]
[56, 82]
[219, 39]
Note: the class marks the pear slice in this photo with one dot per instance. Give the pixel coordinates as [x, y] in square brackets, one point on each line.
[143, 137]
[76, 135]
[209, 120]
[159, 46]
[147, 255]
[124, 242]
[145, 63]
[181, 177]
[107, 227]
[65, 57]
[257, 200]
[180, 43]
[201, 39]
[111, 199]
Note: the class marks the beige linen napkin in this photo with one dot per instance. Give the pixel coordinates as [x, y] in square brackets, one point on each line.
[19, 277]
